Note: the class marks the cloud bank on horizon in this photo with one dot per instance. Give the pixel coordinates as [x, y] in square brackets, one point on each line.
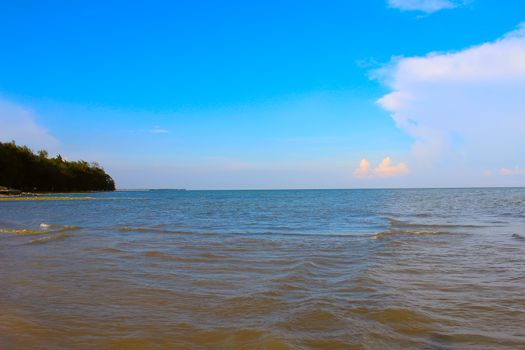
[427, 6]
[462, 108]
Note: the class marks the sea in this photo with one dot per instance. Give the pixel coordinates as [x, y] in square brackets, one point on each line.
[287, 269]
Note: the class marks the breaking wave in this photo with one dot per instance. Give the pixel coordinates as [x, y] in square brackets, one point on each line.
[22, 231]
[59, 228]
[43, 229]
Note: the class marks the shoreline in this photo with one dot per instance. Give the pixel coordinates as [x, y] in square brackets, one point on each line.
[43, 198]
[11, 194]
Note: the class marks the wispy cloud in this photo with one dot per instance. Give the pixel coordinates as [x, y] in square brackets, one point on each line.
[158, 130]
[20, 124]
[384, 169]
[512, 171]
[427, 6]
[466, 106]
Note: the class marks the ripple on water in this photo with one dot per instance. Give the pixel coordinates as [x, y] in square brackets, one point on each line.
[158, 255]
[240, 339]
[113, 250]
[150, 230]
[49, 238]
[415, 289]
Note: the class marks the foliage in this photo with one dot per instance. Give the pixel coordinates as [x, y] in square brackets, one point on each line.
[20, 168]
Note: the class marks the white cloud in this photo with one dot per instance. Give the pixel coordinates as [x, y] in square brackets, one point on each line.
[20, 124]
[463, 108]
[427, 6]
[384, 169]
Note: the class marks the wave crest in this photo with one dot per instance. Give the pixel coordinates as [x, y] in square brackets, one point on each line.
[382, 234]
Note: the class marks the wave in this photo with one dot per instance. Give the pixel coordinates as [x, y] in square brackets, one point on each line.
[46, 226]
[149, 230]
[518, 237]
[44, 229]
[382, 234]
[48, 238]
[399, 223]
[23, 231]
[245, 234]
[59, 228]
[113, 250]
[158, 255]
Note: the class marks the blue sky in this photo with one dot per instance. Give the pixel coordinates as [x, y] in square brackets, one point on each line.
[236, 94]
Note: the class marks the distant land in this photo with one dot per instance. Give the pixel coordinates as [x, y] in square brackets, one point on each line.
[21, 170]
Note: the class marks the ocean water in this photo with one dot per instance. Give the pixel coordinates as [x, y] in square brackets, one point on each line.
[327, 269]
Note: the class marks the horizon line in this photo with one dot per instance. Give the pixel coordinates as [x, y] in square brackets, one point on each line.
[319, 189]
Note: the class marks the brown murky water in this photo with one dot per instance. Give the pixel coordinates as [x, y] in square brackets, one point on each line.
[104, 284]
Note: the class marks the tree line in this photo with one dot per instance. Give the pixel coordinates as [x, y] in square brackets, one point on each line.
[24, 170]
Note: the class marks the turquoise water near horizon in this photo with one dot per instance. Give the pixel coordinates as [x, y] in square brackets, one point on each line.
[284, 269]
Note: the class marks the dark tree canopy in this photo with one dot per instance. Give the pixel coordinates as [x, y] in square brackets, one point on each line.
[20, 168]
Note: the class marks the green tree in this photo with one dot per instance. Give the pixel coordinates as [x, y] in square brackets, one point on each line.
[20, 168]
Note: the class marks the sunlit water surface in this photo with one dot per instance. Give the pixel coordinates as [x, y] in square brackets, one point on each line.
[339, 269]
